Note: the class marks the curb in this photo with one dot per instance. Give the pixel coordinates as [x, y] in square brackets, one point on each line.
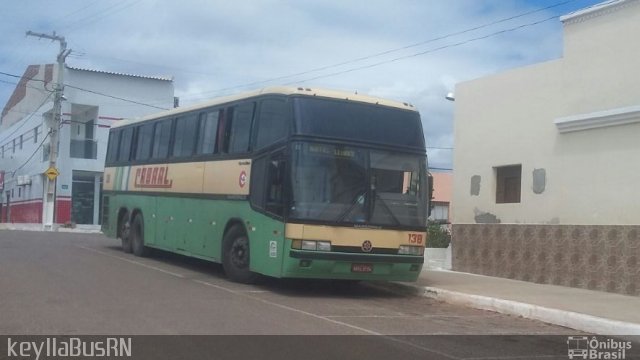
[569, 319]
[57, 228]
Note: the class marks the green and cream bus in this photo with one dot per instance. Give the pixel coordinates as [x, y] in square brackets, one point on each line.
[284, 182]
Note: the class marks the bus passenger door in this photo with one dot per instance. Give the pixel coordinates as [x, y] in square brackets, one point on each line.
[268, 178]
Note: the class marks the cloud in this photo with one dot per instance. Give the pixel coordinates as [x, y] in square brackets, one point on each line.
[212, 45]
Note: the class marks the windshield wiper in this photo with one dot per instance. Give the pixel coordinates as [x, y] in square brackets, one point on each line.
[355, 202]
[384, 205]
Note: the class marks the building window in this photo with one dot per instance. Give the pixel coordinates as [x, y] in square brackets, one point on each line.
[21, 142]
[13, 150]
[508, 184]
[35, 135]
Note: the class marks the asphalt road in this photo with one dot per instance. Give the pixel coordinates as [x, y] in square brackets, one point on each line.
[70, 283]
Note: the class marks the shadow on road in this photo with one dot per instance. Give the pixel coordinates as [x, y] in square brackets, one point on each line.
[288, 286]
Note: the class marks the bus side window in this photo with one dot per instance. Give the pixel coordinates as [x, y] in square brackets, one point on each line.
[258, 177]
[184, 140]
[125, 144]
[208, 132]
[267, 184]
[161, 137]
[145, 138]
[114, 139]
[238, 128]
[273, 122]
[275, 186]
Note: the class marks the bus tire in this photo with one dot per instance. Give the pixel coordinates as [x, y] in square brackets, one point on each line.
[236, 258]
[137, 237]
[125, 232]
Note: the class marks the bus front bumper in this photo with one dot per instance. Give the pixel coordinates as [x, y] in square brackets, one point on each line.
[351, 266]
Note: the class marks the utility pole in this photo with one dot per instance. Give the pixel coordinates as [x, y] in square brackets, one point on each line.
[49, 200]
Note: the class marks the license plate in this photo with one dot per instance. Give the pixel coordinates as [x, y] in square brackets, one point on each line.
[361, 268]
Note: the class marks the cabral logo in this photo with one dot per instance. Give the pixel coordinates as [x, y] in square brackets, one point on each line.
[154, 177]
[581, 347]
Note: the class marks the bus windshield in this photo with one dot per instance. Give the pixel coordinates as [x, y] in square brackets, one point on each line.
[350, 185]
[354, 121]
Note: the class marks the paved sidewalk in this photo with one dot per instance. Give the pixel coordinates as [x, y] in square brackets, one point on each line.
[591, 311]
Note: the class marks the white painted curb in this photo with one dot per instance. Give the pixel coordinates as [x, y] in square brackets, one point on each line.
[573, 320]
[85, 229]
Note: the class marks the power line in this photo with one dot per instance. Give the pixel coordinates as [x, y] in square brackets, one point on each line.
[347, 70]
[76, 11]
[424, 52]
[13, 172]
[115, 97]
[91, 91]
[360, 58]
[366, 57]
[99, 15]
[442, 37]
[24, 121]
[30, 87]
[8, 82]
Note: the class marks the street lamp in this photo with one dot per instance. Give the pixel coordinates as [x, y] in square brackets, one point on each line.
[450, 96]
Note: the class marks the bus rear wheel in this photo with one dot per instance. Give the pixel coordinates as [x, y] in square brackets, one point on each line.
[137, 237]
[125, 232]
[236, 257]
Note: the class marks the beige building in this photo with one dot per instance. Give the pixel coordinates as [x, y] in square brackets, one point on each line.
[546, 161]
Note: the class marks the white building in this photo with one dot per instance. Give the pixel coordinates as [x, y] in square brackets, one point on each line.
[546, 185]
[93, 101]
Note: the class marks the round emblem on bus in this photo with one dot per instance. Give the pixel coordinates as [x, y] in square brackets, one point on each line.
[367, 246]
[242, 180]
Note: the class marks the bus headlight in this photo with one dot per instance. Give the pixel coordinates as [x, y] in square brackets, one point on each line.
[312, 245]
[324, 246]
[309, 245]
[411, 250]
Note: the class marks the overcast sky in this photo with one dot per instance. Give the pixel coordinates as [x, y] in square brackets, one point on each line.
[214, 47]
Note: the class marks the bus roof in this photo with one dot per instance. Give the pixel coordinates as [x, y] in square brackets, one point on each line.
[276, 90]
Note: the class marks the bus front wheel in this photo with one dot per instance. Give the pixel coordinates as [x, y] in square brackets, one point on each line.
[236, 257]
[137, 237]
